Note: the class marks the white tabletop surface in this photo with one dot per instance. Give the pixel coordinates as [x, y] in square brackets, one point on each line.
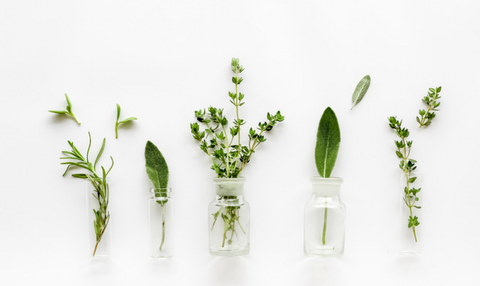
[161, 60]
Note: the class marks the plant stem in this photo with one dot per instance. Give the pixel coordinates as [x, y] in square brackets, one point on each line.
[407, 177]
[95, 250]
[163, 226]
[324, 223]
[116, 130]
[238, 121]
[76, 119]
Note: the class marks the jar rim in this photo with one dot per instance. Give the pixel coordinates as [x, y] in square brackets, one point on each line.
[233, 180]
[331, 180]
[152, 190]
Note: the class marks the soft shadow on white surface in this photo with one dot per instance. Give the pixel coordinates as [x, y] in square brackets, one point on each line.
[321, 271]
[228, 271]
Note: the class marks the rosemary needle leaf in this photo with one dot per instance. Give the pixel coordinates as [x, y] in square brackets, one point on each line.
[127, 120]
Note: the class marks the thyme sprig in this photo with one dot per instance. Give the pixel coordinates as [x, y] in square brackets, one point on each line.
[431, 100]
[224, 147]
[99, 183]
[407, 165]
[227, 155]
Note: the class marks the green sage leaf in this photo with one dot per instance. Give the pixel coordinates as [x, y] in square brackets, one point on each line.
[360, 90]
[157, 169]
[328, 143]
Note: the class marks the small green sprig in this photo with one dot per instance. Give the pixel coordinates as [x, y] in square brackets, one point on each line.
[68, 111]
[117, 123]
[407, 165]
[227, 155]
[431, 100]
[99, 183]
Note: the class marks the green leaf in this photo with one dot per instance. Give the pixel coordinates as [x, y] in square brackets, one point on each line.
[118, 111]
[68, 100]
[412, 179]
[157, 169]
[80, 176]
[328, 143]
[58, 111]
[100, 153]
[127, 120]
[360, 90]
[399, 154]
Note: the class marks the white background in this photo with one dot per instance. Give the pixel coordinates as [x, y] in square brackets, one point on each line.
[161, 60]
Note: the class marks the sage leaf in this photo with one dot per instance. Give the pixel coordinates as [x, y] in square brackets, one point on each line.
[328, 143]
[360, 90]
[156, 166]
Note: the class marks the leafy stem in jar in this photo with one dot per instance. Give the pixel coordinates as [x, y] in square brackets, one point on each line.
[99, 182]
[407, 165]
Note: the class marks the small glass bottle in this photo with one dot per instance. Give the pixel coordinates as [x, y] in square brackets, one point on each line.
[229, 219]
[325, 219]
[100, 240]
[160, 212]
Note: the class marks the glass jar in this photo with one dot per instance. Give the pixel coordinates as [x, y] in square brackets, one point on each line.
[325, 213]
[98, 214]
[160, 213]
[229, 219]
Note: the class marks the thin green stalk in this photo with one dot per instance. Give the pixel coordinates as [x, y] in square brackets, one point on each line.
[409, 204]
[95, 250]
[407, 165]
[324, 223]
[163, 227]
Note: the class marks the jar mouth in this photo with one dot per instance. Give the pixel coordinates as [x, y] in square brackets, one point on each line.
[329, 181]
[229, 186]
[160, 193]
[229, 180]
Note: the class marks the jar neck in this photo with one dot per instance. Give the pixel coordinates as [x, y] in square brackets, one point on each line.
[160, 193]
[227, 199]
[326, 187]
[229, 187]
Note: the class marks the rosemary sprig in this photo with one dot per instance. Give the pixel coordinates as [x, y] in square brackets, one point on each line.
[99, 183]
[407, 165]
[68, 111]
[431, 100]
[117, 123]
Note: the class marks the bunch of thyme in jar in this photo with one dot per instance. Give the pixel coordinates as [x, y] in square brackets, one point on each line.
[223, 146]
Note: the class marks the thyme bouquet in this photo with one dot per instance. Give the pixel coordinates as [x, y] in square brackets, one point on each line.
[223, 144]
